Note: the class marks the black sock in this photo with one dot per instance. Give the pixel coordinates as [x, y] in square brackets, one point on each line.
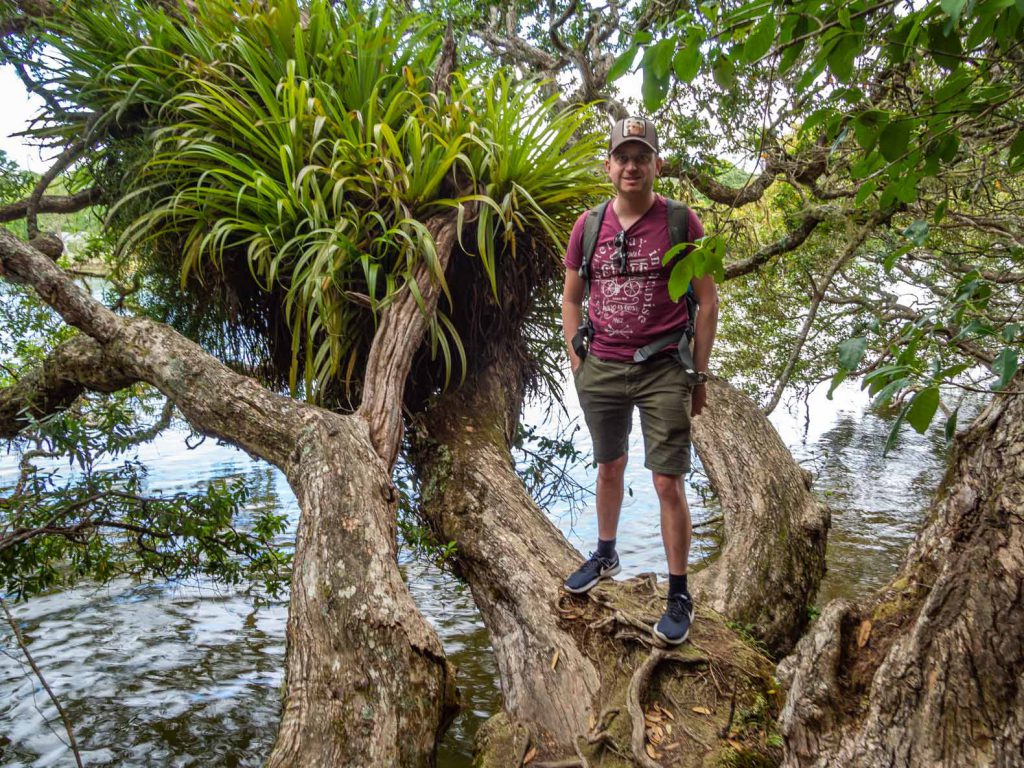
[677, 584]
[606, 549]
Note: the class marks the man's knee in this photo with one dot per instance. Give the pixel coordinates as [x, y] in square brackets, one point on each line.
[669, 487]
[612, 471]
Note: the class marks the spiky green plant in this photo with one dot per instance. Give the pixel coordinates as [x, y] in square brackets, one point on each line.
[307, 142]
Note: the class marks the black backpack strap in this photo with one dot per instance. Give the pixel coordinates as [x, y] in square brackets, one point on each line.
[591, 231]
[679, 232]
[678, 222]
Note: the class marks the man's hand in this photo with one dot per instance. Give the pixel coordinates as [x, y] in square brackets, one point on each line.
[698, 399]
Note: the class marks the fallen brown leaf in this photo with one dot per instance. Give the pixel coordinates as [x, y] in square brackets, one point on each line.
[528, 758]
[554, 659]
[651, 752]
[702, 710]
[864, 633]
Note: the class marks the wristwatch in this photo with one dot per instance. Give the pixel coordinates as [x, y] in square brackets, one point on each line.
[702, 377]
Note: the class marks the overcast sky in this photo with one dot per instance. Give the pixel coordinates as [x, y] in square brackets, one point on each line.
[19, 106]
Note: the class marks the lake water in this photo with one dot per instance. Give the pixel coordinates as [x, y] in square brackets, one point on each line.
[190, 674]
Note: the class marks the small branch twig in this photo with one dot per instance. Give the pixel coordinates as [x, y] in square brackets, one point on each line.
[39, 675]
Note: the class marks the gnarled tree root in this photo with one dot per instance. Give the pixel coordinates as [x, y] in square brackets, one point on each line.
[677, 699]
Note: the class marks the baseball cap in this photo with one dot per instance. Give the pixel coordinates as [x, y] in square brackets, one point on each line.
[633, 129]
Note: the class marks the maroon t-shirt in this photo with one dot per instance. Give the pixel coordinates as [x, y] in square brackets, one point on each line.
[630, 311]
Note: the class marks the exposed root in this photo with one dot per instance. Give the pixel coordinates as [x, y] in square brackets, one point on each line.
[637, 688]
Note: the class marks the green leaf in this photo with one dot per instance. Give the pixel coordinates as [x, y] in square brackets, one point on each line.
[851, 352]
[837, 379]
[658, 58]
[790, 55]
[867, 125]
[842, 56]
[1010, 332]
[922, 409]
[760, 39]
[687, 62]
[653, 90]
[893, 256]
[883, 394]
[894, 138]
[895, 431]
[940, 212]
[724, 73]
[622, 64]
[1016, 153]
[950, 430]
[954, 8]
[680, 277]
[944, 46]
[866, 190]
[1005, 366]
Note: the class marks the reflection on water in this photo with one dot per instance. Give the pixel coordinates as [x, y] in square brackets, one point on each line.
[190, 675]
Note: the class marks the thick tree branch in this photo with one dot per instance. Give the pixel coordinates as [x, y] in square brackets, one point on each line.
[52, 204]
[789, 242]
[402, 330]
[73, 367]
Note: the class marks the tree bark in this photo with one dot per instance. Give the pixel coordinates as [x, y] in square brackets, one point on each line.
[512, 556]
[929, 671]
[773, 558]
[367, 680]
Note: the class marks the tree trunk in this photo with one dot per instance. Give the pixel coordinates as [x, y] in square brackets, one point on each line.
[773, 558]
[367, 680]
[512, 556]
[567, 662]
[929, 672]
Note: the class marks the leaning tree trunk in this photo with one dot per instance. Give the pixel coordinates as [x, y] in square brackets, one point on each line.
[512, 556]
[367, 680]
[929, 672]
[773, 556]
[557, 679]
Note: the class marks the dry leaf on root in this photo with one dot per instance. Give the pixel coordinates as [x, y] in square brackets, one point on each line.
[554, 659]
[864, 633]
[702, 711]
[528, 758]
[651, 752]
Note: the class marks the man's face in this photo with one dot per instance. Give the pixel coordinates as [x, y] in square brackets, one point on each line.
[632, 168]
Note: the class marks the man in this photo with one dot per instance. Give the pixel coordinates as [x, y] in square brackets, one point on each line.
[629, 308]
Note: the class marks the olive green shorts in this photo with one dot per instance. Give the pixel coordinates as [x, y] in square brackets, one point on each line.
[608, 390]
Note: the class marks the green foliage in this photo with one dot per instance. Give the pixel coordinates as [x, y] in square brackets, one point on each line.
[310, 148]
[15, 183]
[103, 525]
[95, 520]
[917, 110]
[548, 465]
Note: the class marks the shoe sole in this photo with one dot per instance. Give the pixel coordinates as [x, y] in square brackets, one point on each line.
[591, 584]
[670, 641]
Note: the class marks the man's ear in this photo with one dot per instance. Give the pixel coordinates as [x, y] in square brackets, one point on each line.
[658, 162]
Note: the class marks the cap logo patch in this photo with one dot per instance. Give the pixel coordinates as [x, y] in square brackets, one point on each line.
[632, 127]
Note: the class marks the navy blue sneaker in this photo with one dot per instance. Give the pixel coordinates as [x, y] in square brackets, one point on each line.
[674, 626]
[591, 572]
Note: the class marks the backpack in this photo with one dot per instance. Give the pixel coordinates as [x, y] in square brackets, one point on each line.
[678, 232]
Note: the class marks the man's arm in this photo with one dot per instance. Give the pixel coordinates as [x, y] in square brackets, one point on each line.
[705, 326]
[572, 311]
